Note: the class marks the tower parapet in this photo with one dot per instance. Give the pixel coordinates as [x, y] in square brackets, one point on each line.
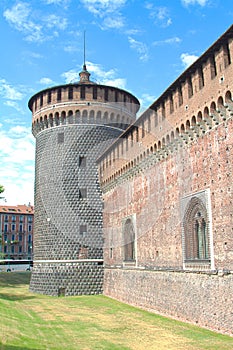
[73, 124]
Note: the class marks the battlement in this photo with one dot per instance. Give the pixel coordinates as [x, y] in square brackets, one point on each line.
[82, 103]
[198, 101]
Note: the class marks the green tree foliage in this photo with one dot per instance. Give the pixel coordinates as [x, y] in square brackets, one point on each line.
[2, 189]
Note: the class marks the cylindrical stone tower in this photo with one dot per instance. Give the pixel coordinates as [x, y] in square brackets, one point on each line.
[73, 124]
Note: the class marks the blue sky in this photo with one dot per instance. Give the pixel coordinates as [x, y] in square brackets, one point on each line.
[140, 46]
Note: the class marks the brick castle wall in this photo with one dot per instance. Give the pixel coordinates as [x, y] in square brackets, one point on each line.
[202, 299]
[176, 159]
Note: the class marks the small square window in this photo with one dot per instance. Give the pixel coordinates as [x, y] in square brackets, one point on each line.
[60, 137]
[82, 161]
[82, 193]
[83, 230]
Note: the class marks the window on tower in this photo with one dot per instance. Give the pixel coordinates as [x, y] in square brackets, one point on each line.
[82, 161]
[82, 92]
[82, 193]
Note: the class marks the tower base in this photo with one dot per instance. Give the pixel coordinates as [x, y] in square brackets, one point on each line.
[63, 278]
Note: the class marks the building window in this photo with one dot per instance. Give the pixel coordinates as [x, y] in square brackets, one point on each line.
[20, 238]
[20, 249]
[94, 92]
[13, 218]
[21, 218]
[106, 94]
[5, 228]
[41, 100]
[6, 218]
[143, 129]
[13, 227]
[29, 238]
[59, 94]
[227, 56]
[201, 78]
[111, 253]
[5, 249]
[171, 104]
[82, 162]
[70, 93]
[213, 68]
[82, 193]
[129, 240]
[29, 218]
[21, 228]
[82, 92]
[60, 137]
[116, 96]
[83, 230]
[83, 252]
[29, 228]
[49, 97]
[190, 87]
[196, 231]
[12, 249]
[180, 96]
[5, 238]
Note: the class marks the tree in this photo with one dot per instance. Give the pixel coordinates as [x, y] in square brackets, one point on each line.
[2, 189]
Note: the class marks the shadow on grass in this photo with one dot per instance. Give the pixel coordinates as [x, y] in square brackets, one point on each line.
[6, 279]
[15, 297]
[12, 347]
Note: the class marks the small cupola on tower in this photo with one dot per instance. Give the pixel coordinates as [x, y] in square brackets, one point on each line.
[84, 76]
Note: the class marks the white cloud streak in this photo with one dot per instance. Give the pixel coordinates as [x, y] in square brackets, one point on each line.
[159, 14]
[17, 164]
[169, 41]
[46, 81]
[140, 47]
[102, 7]
[9, 92]
[34, 27]
[98, 74]
[194, 2]
[187, 59]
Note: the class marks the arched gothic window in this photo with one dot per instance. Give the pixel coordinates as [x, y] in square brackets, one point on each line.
[129, 240]
[195, 226]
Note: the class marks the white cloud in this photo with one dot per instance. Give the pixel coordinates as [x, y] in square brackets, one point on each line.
[19, 16]
[46, 81]
[17, 164]
[71, 48]
[70, 76]
[188, 59]
[22, 17]
[14, 105]
[118, 82]
[160, 15]
[173, 40]
[102, 7]
[9, 92]
[145, 100]
[98, 74]
[140, 47]
[56, 2]
[56, 21]
[111, 22]
[194, 2]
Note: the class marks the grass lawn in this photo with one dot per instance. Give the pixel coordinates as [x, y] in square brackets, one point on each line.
[32, 321]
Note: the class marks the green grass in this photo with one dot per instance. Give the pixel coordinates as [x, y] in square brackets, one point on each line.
[33, 321]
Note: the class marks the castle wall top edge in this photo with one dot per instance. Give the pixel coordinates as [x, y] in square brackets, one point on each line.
[192, 68]
[78, 84]
[162, 102]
